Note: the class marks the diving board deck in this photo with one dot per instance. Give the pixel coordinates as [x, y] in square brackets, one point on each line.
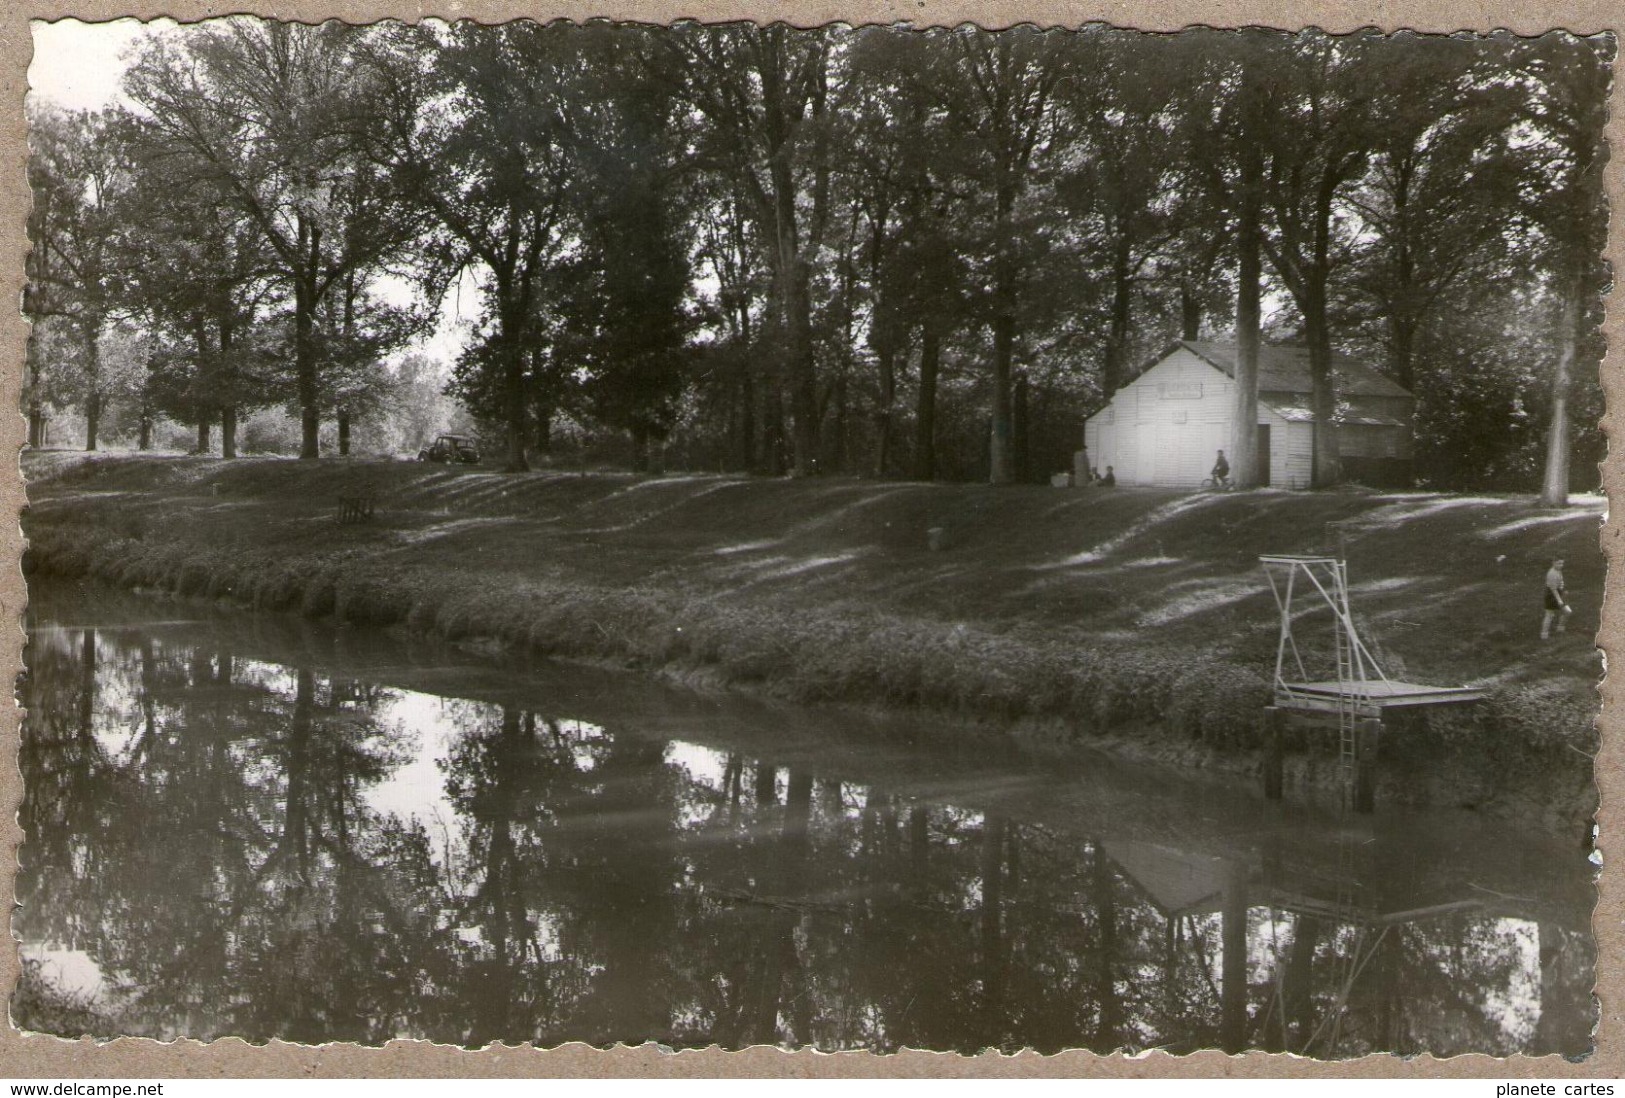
[1369, 698]
[1355, 699]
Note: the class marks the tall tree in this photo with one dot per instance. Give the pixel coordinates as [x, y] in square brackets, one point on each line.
[277, 117]
[1441, 196]
[356, 331]
[75, 223]
[1123, 181]
[1320, 147]
[478, 126]
[896, 169]
[760, 89]
[203, 280]
[632, 270]
[735, 386]
[1569, 79]
[999, 92]
[1244, 457]
[1239, 115]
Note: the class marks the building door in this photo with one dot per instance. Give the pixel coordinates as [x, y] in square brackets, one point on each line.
[1263, 455]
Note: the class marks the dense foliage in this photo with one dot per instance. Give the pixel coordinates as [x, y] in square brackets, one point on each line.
[875, 251]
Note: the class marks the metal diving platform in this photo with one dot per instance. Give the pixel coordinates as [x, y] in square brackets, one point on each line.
[1356, 693]
[1326, 696]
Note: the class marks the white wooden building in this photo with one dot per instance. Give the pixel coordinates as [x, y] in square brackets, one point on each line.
[1167, 425]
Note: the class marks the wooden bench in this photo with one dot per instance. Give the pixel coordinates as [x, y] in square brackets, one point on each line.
[356, 508]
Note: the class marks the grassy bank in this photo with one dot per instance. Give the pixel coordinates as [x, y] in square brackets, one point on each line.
[1135, 618]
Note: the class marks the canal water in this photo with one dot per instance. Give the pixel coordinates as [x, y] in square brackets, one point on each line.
[262, 827]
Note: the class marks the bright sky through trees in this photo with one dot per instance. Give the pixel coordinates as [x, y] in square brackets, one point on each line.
[78, 66]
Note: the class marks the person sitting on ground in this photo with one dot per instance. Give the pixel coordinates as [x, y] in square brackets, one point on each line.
[1221, 472]
[1110, 479]
[1557, 603]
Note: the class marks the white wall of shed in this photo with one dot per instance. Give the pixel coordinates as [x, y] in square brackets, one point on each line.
[1155, 432]
[1292, 465]
[1141, 436]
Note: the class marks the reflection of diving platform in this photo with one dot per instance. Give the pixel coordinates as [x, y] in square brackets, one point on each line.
[1182, 883]
[1352, 906]
[1358, 692]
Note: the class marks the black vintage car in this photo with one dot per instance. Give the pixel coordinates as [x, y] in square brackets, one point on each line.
[459, 449]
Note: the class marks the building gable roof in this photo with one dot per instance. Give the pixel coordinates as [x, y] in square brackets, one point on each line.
[1284, 368]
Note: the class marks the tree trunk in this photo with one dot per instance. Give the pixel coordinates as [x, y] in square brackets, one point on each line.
[513, 399]
[295, 844]
[203, 444]
[1021, 429]
[1328, 466]
[1404, 311]
[1109, 1009]
[1250, 269]
[1001, 457]
[31, 381]
[1297, 986]
[93, 398]
[1115, 365]
[87, 684]
[1387, 979]
[227, 372]
[925, 419]
[919, 849]
[773, 427]
[143, 436]
[349, 339]
[640, 448]
[744, 448]
[1233, 965]
[1554, 491]
[544, 428]
[803, 385]
[1190, 313]
[994, 966]
[837, 455]
[304, 344]
[93, 419]
[780, 114]
[1402, 350]
[883, 414]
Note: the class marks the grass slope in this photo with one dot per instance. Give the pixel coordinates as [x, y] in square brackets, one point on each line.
[1137, 616]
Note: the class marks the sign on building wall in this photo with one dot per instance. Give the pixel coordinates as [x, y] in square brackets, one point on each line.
[1180, 390]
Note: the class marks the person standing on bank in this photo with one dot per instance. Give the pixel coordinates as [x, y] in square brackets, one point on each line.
[1557, 603]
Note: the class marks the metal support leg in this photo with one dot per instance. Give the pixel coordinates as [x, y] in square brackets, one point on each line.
[1365, 765]
[1274, 748]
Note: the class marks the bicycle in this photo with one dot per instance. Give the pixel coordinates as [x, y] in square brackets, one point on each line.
[1218, 484]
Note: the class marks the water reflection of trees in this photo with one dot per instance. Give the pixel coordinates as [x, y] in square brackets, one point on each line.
[198, 823]
[204, 843]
